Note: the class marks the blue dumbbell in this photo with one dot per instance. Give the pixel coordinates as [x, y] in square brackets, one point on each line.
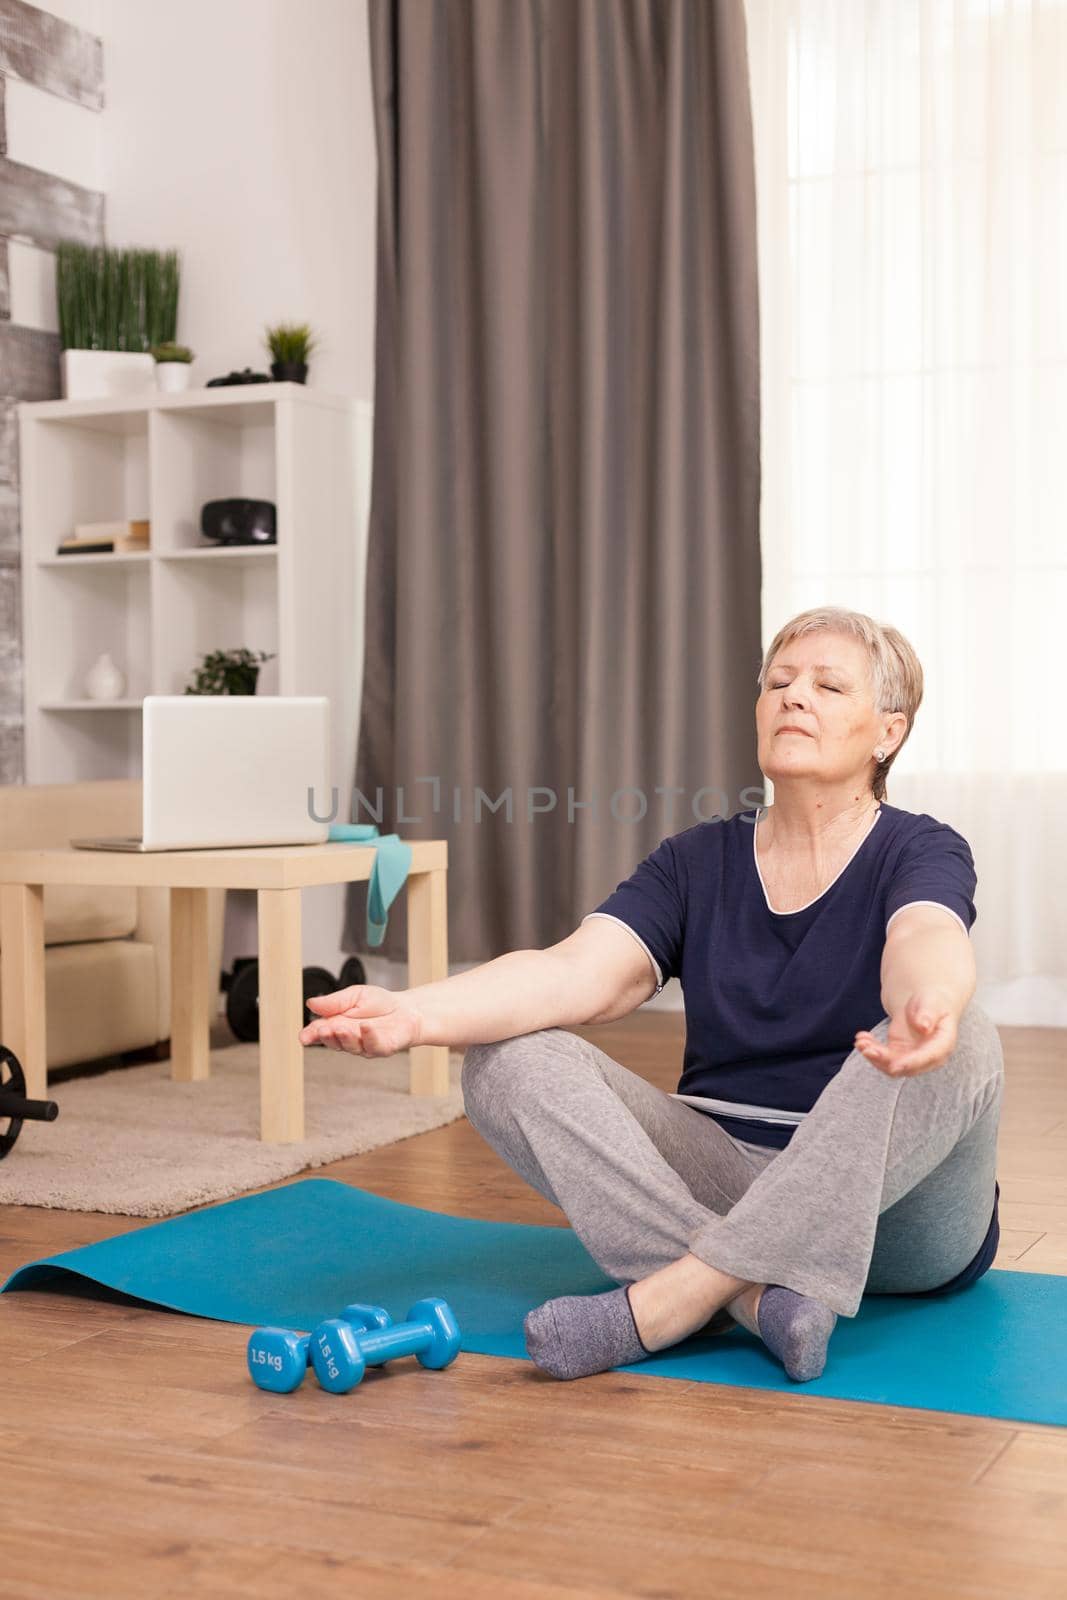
[341, 1354]
[279, 1358]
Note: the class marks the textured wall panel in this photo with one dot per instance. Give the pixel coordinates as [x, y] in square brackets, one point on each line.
[29, 363]
[41, 209]
[11, 759]
[9, 524]
[10, 648]
[51, 54]
[9, 442]
[45, 209]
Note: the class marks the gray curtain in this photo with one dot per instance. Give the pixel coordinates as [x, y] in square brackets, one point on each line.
[563, 578]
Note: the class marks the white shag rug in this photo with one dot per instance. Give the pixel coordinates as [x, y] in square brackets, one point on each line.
[134, 1143]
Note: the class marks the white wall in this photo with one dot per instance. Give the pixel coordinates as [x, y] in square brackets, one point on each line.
[240, 133]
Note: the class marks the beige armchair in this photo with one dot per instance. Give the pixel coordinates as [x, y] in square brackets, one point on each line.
[107, 951]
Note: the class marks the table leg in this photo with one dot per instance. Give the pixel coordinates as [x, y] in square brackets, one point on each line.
[191, 986]
[281, 1016]
[427, 963]
[22, 980]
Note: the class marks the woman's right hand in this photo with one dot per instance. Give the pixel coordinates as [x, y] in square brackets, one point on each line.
[365, 1020]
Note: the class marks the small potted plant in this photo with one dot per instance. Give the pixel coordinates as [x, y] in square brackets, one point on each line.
[228, 672]
[290, 344]
[172, 366]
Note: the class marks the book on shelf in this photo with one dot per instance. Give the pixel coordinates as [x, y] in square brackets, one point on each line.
[91, 537]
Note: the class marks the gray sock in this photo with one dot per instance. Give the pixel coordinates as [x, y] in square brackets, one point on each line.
[797, 1329]
[577, 1335]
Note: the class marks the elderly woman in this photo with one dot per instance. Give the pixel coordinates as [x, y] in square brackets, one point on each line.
[835, 1127]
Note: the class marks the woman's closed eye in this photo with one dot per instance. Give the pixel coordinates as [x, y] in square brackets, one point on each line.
[829, 686]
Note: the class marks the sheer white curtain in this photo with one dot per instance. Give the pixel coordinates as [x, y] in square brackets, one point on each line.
[912, 187]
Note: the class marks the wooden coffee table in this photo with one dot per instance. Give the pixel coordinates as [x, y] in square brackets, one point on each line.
[278, 873]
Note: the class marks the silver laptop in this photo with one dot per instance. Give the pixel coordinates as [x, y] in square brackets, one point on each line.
[224, 770]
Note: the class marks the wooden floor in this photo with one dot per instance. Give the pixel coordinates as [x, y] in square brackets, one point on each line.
[138, 1459]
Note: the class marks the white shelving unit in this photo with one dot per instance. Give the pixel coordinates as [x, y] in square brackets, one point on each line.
[161, 456]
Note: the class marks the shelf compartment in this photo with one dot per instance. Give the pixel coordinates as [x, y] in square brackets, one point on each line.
[207, 455]
[72, 746]
[84, 609]
[84, 472]
[214, 605]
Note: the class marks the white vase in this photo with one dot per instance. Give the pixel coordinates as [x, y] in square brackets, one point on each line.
[87, 374]
[104, 680]
[172, 376]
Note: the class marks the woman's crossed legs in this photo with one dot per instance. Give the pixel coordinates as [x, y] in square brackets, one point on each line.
[666, 1201]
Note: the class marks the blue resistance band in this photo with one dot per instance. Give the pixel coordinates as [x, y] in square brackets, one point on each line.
[392, 863]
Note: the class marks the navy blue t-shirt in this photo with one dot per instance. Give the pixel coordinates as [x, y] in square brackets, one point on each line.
[773, 999]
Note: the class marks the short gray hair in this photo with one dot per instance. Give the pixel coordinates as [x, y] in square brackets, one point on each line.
[895, 671]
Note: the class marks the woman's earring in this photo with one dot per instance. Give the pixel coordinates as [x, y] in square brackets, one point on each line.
[879, 755]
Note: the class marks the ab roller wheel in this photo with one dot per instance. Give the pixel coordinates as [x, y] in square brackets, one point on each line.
[15, 1109]
[242, 993]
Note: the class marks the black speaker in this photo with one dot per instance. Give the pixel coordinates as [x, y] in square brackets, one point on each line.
[239, 521]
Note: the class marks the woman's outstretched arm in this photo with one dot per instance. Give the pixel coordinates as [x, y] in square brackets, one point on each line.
[928, 977]
[597, 974]
[926, 948]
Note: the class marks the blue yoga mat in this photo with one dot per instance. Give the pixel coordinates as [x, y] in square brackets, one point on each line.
[296, 1254]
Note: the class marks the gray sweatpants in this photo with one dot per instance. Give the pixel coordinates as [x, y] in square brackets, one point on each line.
[886, 1186]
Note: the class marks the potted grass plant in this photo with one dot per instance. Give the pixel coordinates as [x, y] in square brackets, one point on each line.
[290, 344]
[113, 306]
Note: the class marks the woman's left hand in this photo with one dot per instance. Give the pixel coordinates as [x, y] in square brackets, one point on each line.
[920, 1038]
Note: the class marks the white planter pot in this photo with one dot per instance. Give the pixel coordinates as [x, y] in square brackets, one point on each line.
[172, 376]
[90, 373]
